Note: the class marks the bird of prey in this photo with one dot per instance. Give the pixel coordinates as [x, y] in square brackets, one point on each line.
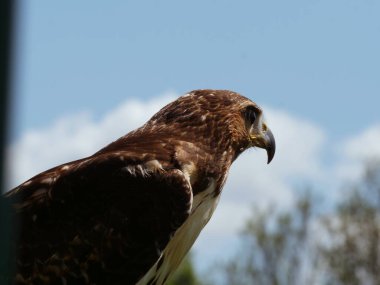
[129, 213]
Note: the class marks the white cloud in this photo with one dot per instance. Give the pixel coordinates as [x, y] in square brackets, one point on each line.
[365, 145]
[356, 151]
[76, 136]
[300, 146]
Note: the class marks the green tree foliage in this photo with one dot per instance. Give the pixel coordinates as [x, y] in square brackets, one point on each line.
[274, 247]
[185, 275]
[353, 255]
[298, 246]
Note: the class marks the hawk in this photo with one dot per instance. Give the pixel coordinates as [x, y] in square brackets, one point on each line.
[129, 213]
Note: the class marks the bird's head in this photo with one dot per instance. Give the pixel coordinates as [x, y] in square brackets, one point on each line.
[258, 132]
[221, 119]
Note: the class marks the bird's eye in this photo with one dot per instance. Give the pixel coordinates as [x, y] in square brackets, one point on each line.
[250, 115]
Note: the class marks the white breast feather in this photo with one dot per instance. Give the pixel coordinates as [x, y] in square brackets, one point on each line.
[204, 204]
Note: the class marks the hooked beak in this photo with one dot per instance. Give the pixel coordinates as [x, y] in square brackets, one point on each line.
[266, 141]
[270, 144]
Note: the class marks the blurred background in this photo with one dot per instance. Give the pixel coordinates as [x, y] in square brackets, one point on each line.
[87, 72]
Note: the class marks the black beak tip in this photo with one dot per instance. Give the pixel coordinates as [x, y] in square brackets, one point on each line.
[270, 153]
[271, 146]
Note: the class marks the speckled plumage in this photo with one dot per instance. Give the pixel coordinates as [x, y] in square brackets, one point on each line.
[129, 213]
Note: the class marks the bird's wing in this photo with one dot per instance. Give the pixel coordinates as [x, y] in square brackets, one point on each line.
[103, 220]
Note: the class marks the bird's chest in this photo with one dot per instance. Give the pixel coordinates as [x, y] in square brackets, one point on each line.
[204, 204]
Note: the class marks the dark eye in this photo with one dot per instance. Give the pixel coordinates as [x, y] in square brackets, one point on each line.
[250, 115]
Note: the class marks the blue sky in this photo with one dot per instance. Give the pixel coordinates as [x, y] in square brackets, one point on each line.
[87, 72]
[318, 59]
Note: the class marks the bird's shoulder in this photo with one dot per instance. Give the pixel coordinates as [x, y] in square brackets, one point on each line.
[125, 168]
[102, 212]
